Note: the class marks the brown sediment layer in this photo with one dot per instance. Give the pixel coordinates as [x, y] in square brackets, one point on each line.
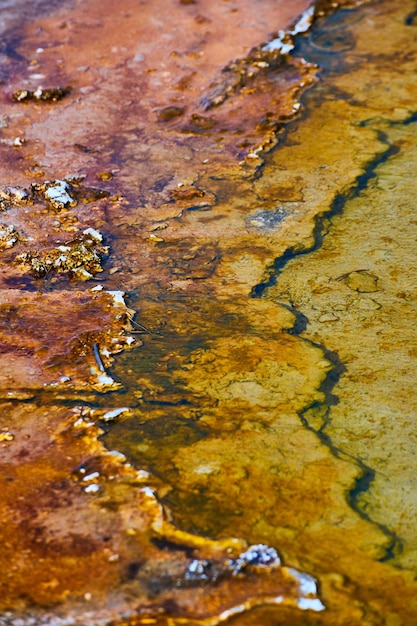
[83, 530]
[192, 232]
[92, 511]
[62, 340]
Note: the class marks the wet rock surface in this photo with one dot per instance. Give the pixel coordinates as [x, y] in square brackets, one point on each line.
[61, 340]
[199, 476]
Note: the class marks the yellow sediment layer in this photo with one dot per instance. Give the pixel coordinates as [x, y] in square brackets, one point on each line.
[224, 404]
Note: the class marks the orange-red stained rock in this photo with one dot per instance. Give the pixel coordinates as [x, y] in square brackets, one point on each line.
[104, 123]
[80, 526]
[62, 339]
[133, 137]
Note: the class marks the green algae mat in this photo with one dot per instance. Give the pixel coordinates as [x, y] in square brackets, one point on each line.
[208, 313]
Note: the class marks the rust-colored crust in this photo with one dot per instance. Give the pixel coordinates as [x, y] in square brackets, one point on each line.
[136, 156]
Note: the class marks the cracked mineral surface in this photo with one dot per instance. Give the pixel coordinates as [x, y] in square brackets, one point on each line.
[207, 313]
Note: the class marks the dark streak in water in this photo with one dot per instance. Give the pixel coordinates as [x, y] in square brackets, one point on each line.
[323, 221]
[8, 48]
[410, 20]
[98, 358]
[367, 474]
[322, 226]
